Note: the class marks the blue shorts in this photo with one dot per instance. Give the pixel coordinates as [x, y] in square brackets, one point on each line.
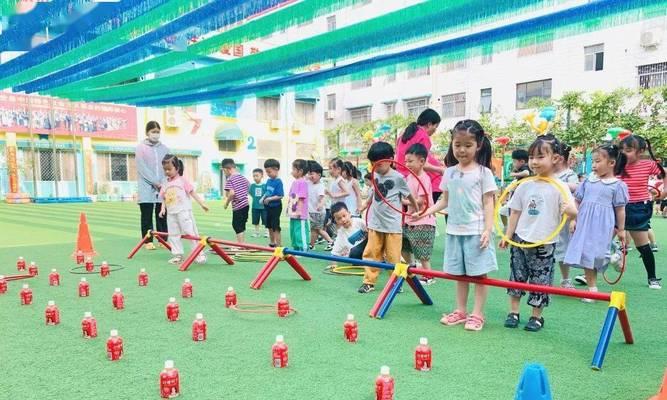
[638, 216]
[464, 257]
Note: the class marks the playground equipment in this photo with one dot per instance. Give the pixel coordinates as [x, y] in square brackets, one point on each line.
[533, 384]
[84, 243]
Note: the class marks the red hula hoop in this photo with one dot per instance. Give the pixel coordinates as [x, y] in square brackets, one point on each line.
[659, 193]
[624, 252]
[384, 200]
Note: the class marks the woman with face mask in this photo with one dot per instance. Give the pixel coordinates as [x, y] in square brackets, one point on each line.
[150, 178]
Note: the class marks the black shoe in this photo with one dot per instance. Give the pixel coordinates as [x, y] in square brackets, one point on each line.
[534, 324]
[512, 320]
[365, 288]
[580, 280]
[272, 245]
[311, 247]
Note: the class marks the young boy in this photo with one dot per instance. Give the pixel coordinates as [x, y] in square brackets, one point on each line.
[236, 191]
[257, 191]
[316, 205]
[418, 234]
[297, 207]
[352, 235]
[273, 201]
[384, 224]
[520, 170]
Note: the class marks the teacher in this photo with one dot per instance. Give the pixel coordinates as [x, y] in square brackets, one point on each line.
[421, 132]
[150, 178]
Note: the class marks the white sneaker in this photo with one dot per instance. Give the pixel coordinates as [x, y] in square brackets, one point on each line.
[589, 301]
[175, 260]
[201, 259]
[654, 284]
[566, 284]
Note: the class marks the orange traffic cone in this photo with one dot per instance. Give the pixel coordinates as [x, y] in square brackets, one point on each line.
[84, 242]
[662, 394]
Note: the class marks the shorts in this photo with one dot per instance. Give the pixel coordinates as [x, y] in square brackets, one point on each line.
[464, 257]
[638, 216]
[418, 240]
[299, 233]
[561, 245]
[317, 220]
[239, 219]
[533, 265]
[273, 217]
[258, 214]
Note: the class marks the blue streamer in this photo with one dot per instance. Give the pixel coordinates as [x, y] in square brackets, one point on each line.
[216, 14]
[22, 27]
[599, 8]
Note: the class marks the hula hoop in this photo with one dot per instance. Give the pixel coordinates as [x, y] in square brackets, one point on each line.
[496, 213]
[624, 253]
[10, 278]
[258, 308]
[659, 193]
[384, 200]
[251, 258]
[75, 270]
[345, 270]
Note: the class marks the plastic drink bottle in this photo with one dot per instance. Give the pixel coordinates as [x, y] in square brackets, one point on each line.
[52, 314]
[170, 385]
[26, 295]
[114, 346]
[384, 385]
[186, 289]
[172, 309]
[20, 264]
[283, 305]
[79, 257]
[230, 297]
[143, 277]
[84, 288]
[199, 328]
[32, 269]
[104, 269]
[279, 357]
[89, 325]
[3, 285]
[118, 300]
[350, 329]
[54, 278]
[423, 355]
[89, 264]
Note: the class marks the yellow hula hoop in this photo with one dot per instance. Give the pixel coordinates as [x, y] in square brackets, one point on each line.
[496, 212]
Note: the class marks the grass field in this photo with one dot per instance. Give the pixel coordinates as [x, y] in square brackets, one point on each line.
[47, 362]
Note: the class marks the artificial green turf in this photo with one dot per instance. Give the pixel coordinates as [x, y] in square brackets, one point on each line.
[46, 362]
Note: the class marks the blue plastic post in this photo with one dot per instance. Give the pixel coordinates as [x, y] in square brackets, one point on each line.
[419, 290]
[534, 384]
[605, 336]
[390, 297]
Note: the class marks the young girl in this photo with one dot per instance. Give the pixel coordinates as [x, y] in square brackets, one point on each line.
[564, 174]
[535, 213]
[338, 189]
[175, 196]
[468, 189]
[350, 175]
[601, 200]
[639, 210]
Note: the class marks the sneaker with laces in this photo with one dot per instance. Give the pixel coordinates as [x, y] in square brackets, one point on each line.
[329, 246]
[175, 260]
[566, 284]
[654, 283]
[366, 288]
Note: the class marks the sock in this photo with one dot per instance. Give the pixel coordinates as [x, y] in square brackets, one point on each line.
[648, 259]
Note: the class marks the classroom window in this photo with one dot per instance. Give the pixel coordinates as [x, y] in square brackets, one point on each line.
[536, 45]
[304, 112]
[115, 167]
[360, 115]
[530, 90]
[331, 102]
[228, 145]
[62, 169]
[417, 72]
[415, 107]
[453, 66]
[361, 83]
[331, 23]
[268, 108]
[594, 57]
[390, 109]
[485, 101]
[454, 105]
[652, 75]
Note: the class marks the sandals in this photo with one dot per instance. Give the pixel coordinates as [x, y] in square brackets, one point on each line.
[474, 323]
[512, 320]
[534, 324]
[454, 318]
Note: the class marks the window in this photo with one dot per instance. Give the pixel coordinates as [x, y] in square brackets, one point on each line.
[228, 145]
[652, 75]
[530, 90]
[362, 83]
[47, 170]
[360, 115]
[190, 169]
[594, 57]
[454, 105]
[536, 45]
[486, 59]
[63, 169]
[485, 101]
[416, 106]
[115, 167]
[453, 66]
[331, 23]
[268, 108]
[304, 112]
[390, 109]
[391, 77]
[417, 72]
[269, 149]
[331, 102]
[118, 167]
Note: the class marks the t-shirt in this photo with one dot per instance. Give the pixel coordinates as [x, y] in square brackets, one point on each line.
[522, 168]
[567, 176]
[335, 188]
[257, 191]
[315, 192]
[465, 206]
[351, 199]
[239, 184]
[175, 194]
[274, 187]
[636, 177]
[418, 192]
[299, 191]
[422, 137]
[540, 204]
[347, 238]
[383, 218]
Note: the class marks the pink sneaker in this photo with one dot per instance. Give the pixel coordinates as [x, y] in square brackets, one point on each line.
[454, 318]
[474, 323]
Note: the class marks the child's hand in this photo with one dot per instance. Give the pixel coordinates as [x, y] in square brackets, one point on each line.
[226, 206]
[503, 244]
[621, 236]
[205, 208]
[484, 239]
[418, 215]
[573, 226]
[264, 201]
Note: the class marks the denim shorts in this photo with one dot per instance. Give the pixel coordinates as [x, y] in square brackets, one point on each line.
[638, 216]
[464, 257]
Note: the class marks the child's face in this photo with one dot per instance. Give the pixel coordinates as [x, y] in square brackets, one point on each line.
[169, 170]
[315, 177]
[464, 147]
[543, 163]
[257, 177]
[631, 153]
[516, 164]
[271, 172]
[297, 173]
[382, 167]
[414, 163]
[228, 171]
[368, 182]
[343, 218]
[334, 171]
[602, 165]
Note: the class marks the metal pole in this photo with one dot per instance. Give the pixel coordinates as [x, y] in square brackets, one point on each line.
[32, 149]
[53, 148]
[68, 120]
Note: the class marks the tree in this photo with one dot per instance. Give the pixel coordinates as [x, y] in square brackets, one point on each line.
[347, 135]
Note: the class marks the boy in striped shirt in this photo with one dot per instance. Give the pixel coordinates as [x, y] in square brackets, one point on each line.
[236, 192]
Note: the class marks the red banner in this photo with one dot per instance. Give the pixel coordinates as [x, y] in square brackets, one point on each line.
[62, 117]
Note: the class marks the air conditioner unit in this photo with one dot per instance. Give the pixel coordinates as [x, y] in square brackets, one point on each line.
[171, 119]
[274, 124]
[650, 38]
[330, 114]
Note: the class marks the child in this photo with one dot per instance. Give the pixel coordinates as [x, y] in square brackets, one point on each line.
[257, 191]
[601, 200]
[338, 190]
[569, 178]
[175, 196]
[352, 234]
[368, 192]
[297, 207]
[468, 189]
[639, 210]
[418, 234]
[273, 201]
[353, 200]
[236, 190]
[316, 206]
[384, 224]
[535, 213]
[520, 170]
